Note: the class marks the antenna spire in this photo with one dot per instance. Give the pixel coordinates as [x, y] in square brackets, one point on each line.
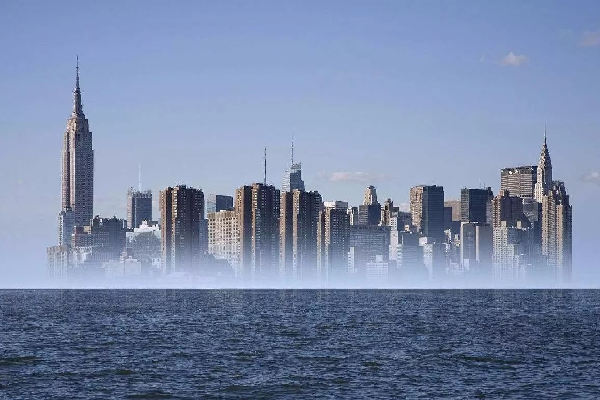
[140, 177]
[77, 106]
[265, 159]
[544, 131]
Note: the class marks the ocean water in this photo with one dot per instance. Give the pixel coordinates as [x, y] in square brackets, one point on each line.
[153, 344]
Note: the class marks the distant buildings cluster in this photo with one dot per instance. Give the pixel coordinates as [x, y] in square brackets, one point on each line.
[265, 236]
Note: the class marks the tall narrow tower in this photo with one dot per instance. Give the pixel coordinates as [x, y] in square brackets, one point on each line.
[78, 163]
[544, 173]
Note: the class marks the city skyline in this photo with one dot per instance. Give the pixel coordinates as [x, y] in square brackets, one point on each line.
[290, 237]
[318, 171]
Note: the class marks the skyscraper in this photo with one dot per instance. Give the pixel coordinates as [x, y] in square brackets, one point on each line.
[476, 246]
[218, 202]
[557, 233]
[427, 210]
[506, 208]
[78, 163]
[333, 243]
[224, 238]
[292, 179]
[519, 181]
[66, 222]
[475, 205]
[181, 209]
[544, 173]
[298, 226]
[369, 213]
[257, 207]
[139, 207]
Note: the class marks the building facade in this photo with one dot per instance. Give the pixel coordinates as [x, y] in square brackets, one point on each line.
[519, 181]
[333, 244]
[476, 205]
[78, 163]
[298, 227]
[557, 232]
[181, 209]
[257, 207]
[224, 238]
[139, 207]
[427, 210]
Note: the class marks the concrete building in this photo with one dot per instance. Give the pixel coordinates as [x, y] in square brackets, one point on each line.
[476, 247]
[369, 213]
[367, 244]
[139, 207]
[476, 205]
[218, 202]
[181, 209]
[224, 238]
[333, 244]
[78, 163]
[298, 227]
[454, 205]
[434, 257]
[144, 242]
[519, 181]
[257, 207]
[66, 226]
[427, 210]
[511, 252]
[409, 258]
[557, 232]
[507, 208]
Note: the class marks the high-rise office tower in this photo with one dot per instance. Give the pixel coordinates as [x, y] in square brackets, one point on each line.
[427, 210]
[507, 208]
[368, 243]
[66, 224]
[388, 212]
[181, 209]
[476, 205]
[292, 180]
[78, 163]
[476, 246]
[369, 213]
[139, 207]
[511, 252]
[224, 238]
[298, 226]
[257, 207]
[544, 173]
[370, 196]
[333, 243]
[557, 233]
[519, 181]
[218, 202]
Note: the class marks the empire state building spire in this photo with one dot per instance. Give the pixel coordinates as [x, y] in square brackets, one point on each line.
[77, 106]
[78, 162]
[544, 172]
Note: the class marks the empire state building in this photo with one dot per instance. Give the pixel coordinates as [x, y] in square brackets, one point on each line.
[78, 163]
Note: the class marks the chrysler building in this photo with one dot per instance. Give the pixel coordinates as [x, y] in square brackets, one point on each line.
[78, 163]
[544, 173]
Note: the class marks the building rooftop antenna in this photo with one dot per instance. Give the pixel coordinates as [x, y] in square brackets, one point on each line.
[265, 160]
[140, 177]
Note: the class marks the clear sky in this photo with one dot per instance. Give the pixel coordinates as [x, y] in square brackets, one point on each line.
[389, 93]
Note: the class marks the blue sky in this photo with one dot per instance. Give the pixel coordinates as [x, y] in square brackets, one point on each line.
[390, 93]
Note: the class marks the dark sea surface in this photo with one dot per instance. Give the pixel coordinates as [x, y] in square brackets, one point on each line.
[190, 344]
